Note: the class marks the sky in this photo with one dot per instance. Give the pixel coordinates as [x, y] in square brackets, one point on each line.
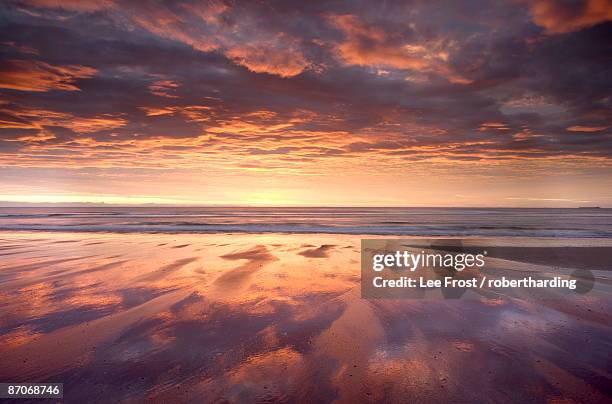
[391, 103]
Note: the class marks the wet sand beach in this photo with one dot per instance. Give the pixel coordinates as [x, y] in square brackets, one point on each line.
[279, 317]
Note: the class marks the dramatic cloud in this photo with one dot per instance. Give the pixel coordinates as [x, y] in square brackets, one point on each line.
[32, 75]
[477, 92]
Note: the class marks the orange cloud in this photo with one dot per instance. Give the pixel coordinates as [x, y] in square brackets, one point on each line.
[39, 137]
[197, 113]
[33, 75]
[492, 126]
[72, 5]
[372, 46]
[559, 17]
[31, 118]
[367, 46]
[167, 24]
[266, 52]
[193, 113]
[238, 126]
[158, 111]
[164, 88]
[277, 57]
[580, 128]
[95, 124]
[208, 11]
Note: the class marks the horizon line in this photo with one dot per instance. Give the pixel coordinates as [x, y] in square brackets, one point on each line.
[161, 205]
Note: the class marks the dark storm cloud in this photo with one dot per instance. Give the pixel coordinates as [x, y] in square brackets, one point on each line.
[307, 80]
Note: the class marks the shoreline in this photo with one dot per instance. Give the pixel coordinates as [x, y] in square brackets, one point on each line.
[441, 234]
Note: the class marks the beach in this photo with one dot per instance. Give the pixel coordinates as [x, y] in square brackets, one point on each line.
[278, 317]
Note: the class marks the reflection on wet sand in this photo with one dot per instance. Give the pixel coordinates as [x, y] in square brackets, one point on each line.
[244, 318]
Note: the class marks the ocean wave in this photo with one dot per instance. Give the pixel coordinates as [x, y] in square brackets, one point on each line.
[313, 229]
[376, 221]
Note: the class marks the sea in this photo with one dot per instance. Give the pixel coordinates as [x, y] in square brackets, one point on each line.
[459, 222]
